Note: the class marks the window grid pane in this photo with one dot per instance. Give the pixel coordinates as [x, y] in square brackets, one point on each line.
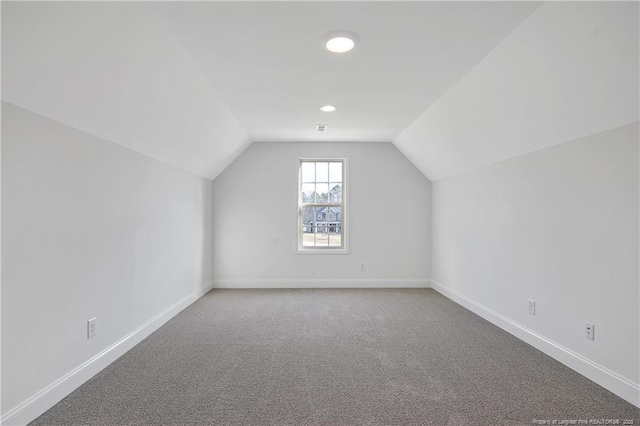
[308, 230]
[322, 172]
[335, 192]
[308, 190]
[322, 192]
[308, 172]
[335, 172]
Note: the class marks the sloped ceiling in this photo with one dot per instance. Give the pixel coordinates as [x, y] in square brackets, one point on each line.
[570, 70]
[455, 85]
[115, 70]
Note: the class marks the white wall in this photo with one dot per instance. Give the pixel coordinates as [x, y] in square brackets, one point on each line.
[91, 229]
[255, 219]
[559, 226]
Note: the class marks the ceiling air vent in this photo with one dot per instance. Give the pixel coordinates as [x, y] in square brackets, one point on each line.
[321, 127]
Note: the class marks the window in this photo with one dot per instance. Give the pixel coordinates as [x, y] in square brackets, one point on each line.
[321, 206]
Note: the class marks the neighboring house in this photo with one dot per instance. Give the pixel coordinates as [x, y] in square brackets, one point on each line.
[323, 220]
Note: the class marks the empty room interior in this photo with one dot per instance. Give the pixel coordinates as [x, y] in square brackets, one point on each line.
[320, 213]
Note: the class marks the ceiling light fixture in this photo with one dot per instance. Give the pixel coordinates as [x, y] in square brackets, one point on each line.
[328, 108]
[340, 41]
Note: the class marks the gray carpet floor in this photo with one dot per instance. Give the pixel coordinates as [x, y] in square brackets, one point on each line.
[334, 357]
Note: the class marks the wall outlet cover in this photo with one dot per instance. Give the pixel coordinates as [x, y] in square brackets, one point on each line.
[91, 328]
[589, 330]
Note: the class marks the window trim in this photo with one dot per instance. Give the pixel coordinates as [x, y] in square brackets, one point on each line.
[344, 249]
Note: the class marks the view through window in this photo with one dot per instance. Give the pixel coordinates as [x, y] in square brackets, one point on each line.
[321, 205]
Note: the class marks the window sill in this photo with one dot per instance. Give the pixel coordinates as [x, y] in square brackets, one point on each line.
[322, 251]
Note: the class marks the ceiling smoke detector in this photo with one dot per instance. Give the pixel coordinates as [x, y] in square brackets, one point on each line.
[321, 127]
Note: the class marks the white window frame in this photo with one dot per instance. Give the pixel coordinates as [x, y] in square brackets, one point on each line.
[343, 249]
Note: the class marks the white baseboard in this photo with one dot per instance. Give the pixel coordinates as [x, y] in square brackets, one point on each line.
[52, 394]
[322, 283]
[624, 388]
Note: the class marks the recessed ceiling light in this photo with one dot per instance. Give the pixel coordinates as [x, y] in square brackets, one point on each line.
[340, 41]
[328, 108]
[340, 45]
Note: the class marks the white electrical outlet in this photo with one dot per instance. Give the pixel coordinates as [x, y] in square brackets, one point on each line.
[532, 306]
[91, 328]
[362, 267]
[589, 330]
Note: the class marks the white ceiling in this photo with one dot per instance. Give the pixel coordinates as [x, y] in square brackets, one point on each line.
[455, 85]
[569, 71]
[115, 70]
[270, 67]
